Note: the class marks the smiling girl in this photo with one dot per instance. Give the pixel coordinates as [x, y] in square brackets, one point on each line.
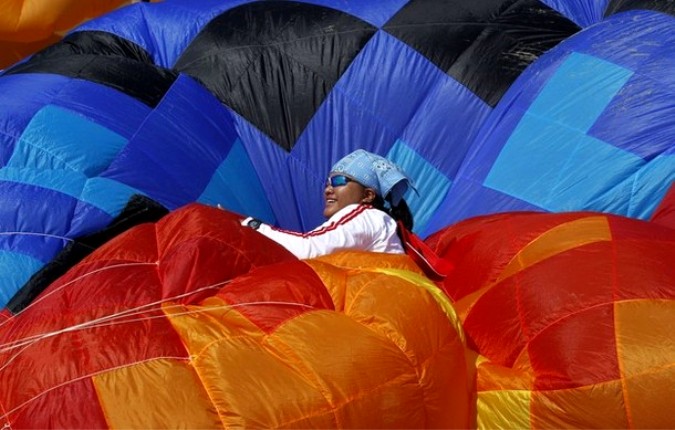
[363, 202]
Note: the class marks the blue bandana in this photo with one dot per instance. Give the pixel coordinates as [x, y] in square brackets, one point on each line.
[373, 171]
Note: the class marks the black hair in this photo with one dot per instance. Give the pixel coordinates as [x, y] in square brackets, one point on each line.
[400, 212]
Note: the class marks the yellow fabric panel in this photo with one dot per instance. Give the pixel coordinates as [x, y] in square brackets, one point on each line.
[594, 406]
[490, 376]
[370, 260]
[504, 409]
[559, 239]
[318, 370]
[646, 350]
[161, 393]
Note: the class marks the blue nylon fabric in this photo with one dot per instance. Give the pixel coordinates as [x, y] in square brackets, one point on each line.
[29, 206]
[470, 199]
[418, 103]
[584, 128]
[59, 139]
[22, 268]
[235, 186]
[587, 126]
[432, 185]
[174, 154]
[17, 110]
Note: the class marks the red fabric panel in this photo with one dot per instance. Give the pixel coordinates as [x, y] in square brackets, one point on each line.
[47, 411]
[577, 350]
[281, 292]
[665, 212]
[481, 247]
[201, 246]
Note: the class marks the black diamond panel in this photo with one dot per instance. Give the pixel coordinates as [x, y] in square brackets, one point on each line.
[275, 62]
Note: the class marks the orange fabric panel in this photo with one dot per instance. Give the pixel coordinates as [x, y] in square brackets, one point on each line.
[311, 362]
[160, 393]
[331, 368]
[592, 406]
[396, 308]
[646, 349]
[31, 20]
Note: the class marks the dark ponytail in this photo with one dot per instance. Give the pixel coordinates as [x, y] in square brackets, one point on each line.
[400, 212]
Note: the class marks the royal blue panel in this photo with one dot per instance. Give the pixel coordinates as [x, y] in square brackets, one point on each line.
[431, 184]
[112, 109]
[37, 245]
[235, 186]
[17, 105]
[21, 267]
[271, 165]
[410, 77]
[582, 12]
[32, 208]
[653, 121]
[626, 39]
[175, 153]
[445, 124]
[469, 199]
[59, 139]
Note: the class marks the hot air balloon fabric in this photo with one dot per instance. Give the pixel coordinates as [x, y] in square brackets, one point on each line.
[571, 316]
[222, 327]
[258, 137]
[197, 321]
[26, 26]
[540, 137]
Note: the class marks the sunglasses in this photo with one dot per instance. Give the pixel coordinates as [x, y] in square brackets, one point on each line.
[338, 181]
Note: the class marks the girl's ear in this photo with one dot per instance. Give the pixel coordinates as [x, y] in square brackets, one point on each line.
[368, 195]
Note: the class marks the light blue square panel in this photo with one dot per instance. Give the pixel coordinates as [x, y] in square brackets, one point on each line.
[558, 168]
[21, 267]
[235, 186]
[579, 91]
[58, 139]
[431, 184]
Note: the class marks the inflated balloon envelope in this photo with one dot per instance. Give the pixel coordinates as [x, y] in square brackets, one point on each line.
[196, 321]
[548, 320]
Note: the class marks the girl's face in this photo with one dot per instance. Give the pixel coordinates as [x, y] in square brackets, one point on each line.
[342, 191]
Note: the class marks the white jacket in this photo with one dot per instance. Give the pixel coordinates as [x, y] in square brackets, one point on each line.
[355, 226]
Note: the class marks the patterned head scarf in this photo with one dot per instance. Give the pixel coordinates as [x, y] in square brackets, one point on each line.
[373, 171]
